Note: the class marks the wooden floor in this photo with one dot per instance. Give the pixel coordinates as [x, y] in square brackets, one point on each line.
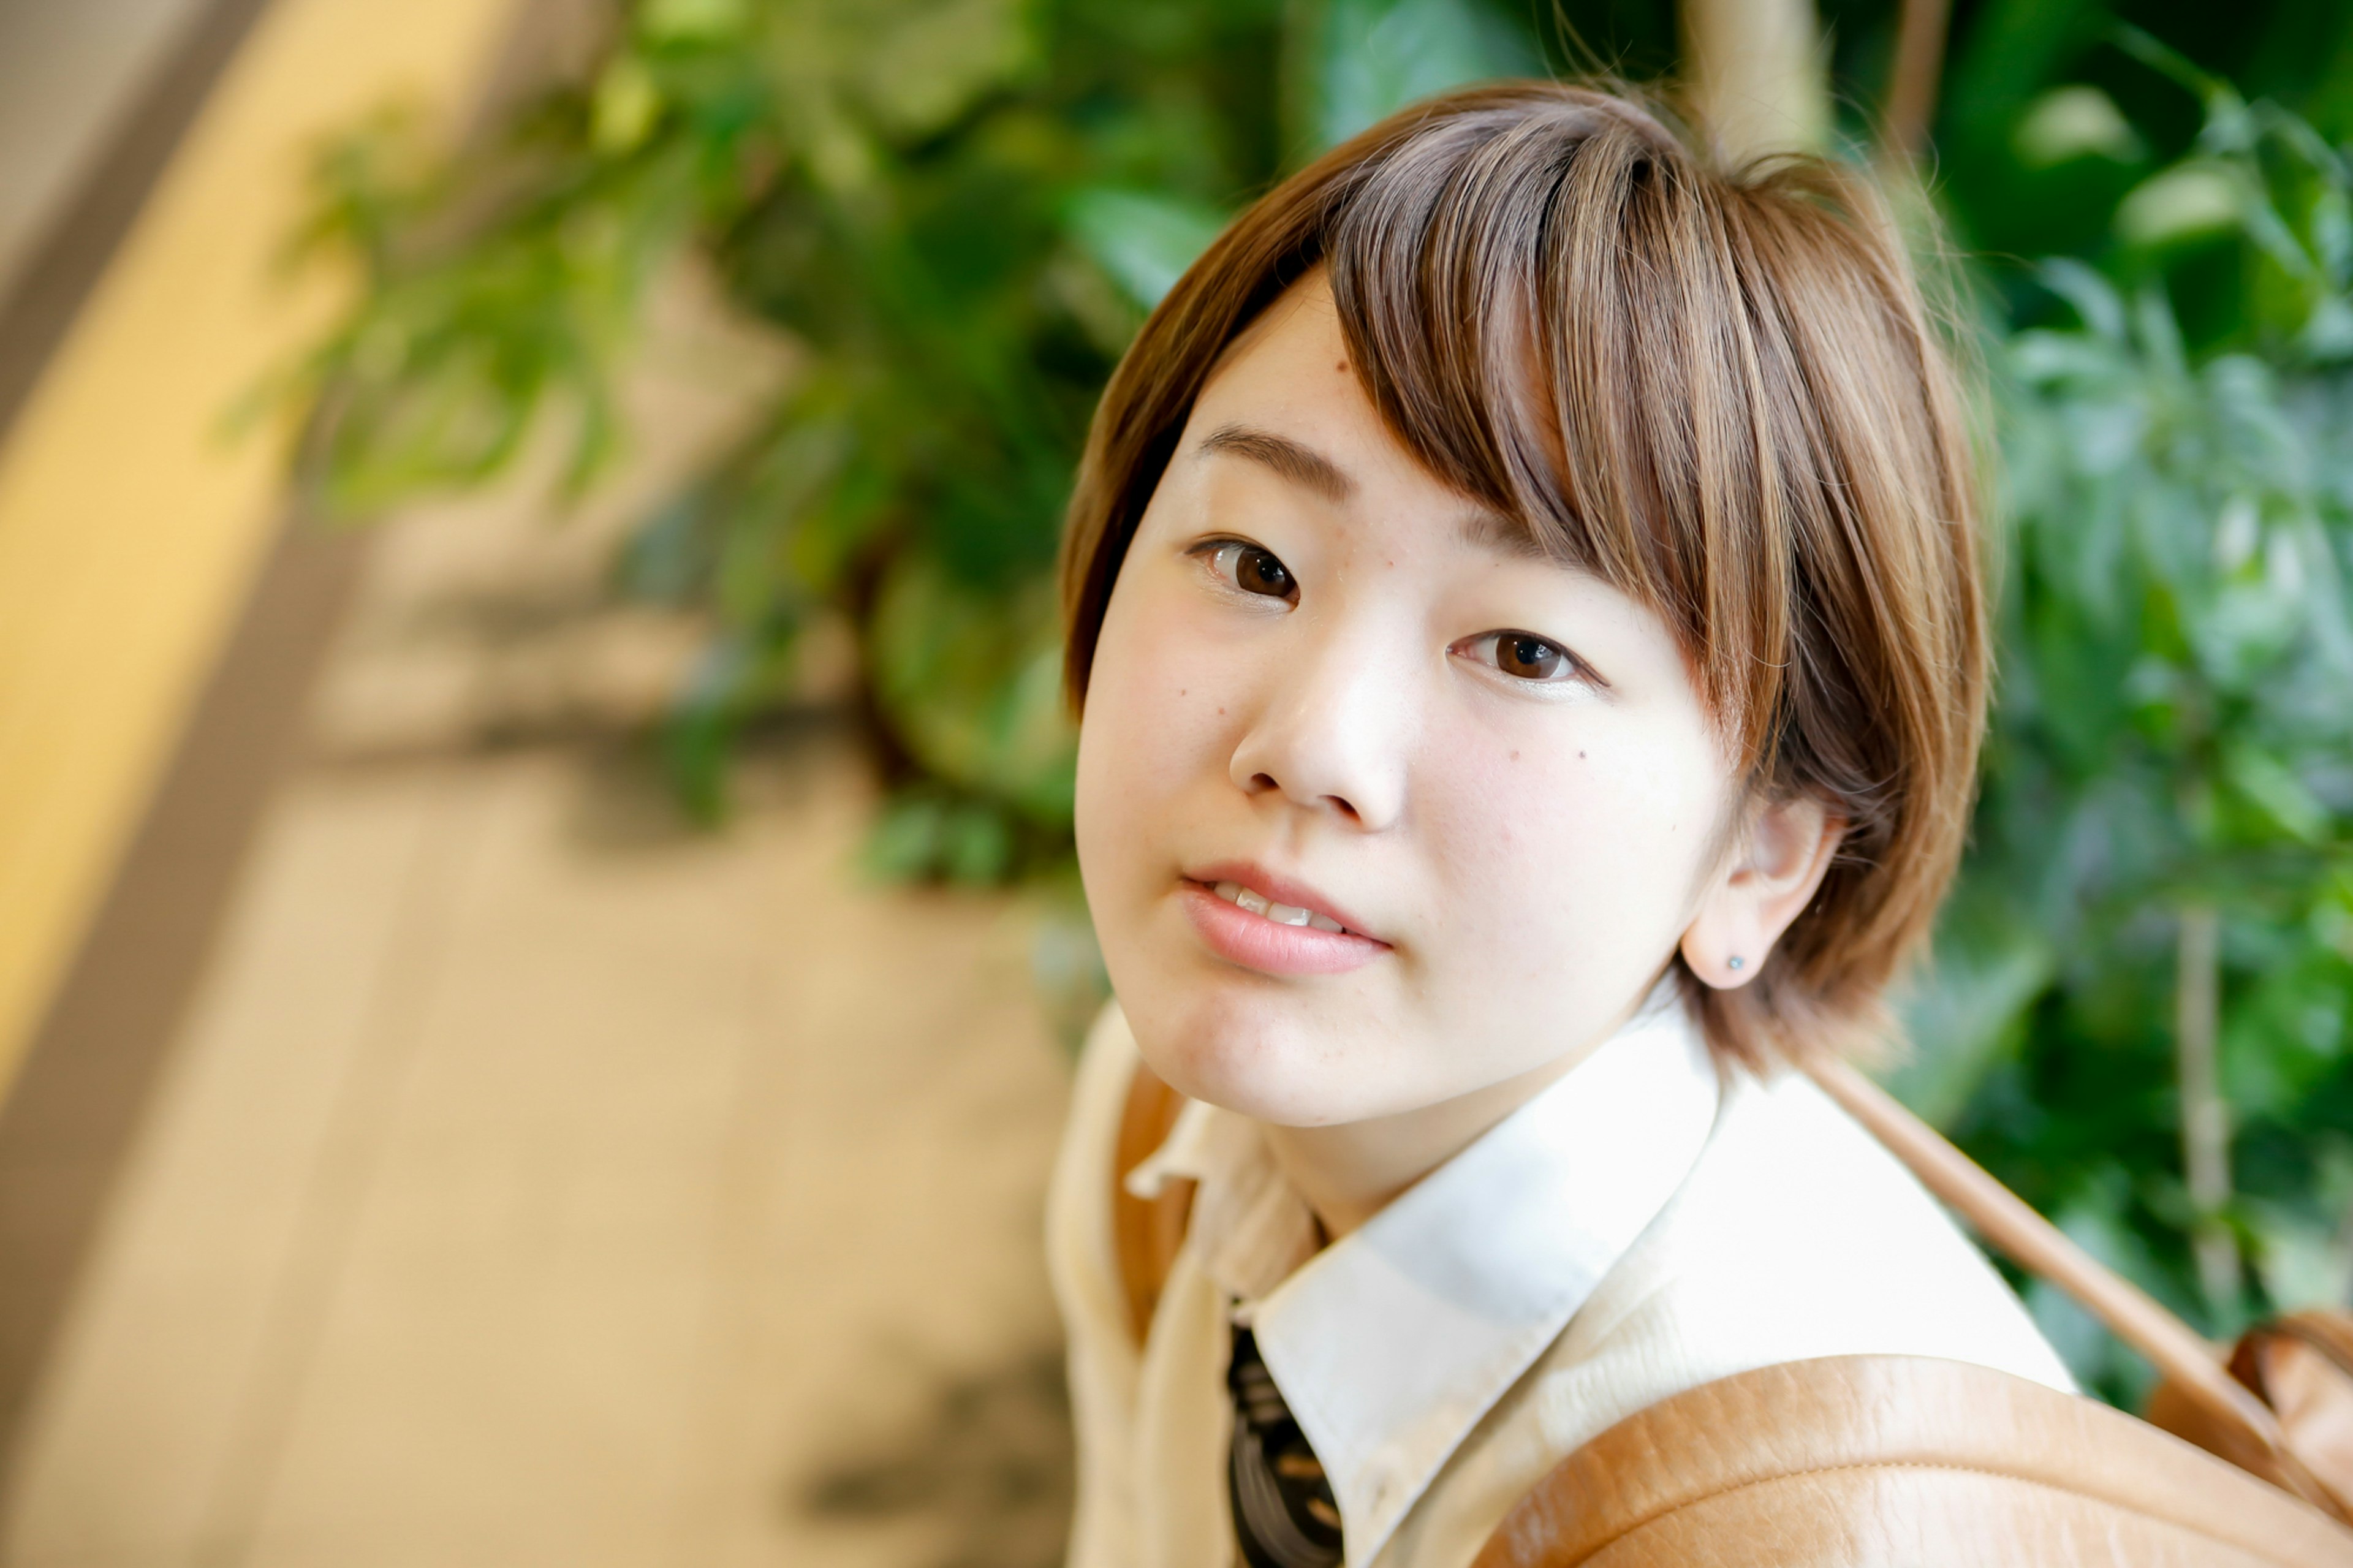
[535, 1181]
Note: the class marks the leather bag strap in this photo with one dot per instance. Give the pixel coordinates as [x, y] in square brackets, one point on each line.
[2009, 1225]
[1900, 1459]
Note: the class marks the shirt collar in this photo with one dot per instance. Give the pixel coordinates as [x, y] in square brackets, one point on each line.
[1391, 1344]
[1248, 1225]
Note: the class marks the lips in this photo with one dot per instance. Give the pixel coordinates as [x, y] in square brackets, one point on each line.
[1277, 888]
[1257, 903]
[1251, 917]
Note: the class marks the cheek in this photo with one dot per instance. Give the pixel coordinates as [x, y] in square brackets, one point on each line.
[1569, 863]
[1158, 722]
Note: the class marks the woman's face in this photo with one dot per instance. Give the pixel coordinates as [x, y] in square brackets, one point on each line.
[1330, 689]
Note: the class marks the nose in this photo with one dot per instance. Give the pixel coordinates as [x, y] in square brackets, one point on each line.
[1332, 734]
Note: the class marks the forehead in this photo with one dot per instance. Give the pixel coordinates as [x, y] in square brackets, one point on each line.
[1294, 357]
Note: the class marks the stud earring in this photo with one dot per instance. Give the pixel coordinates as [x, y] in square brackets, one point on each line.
[1735, 962]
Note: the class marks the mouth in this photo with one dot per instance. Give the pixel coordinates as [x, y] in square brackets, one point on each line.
[1252, 918]
[1281, 914]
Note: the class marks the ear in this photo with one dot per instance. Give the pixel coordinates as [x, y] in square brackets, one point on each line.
[1762, 885]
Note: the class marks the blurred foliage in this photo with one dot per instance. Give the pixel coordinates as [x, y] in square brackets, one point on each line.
[952, 207]
[959, 209]
[2176, 724]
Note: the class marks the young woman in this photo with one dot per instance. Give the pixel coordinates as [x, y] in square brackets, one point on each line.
[1526, 604]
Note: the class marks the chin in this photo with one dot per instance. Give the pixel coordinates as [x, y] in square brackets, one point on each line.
[1230, 1052]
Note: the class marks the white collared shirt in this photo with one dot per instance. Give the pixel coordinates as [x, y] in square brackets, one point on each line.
[1635, 1229]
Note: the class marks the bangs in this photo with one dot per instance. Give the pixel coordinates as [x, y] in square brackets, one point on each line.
[1548, 309]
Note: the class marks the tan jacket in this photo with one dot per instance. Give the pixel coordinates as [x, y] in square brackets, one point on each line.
[1633, 1232]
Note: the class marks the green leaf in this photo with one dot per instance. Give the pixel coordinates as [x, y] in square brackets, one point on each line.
[904, 844]
[1144, 241]
[2095, 300]
[695, 21]
[2075, 121]
[2274, 787]
[2221, 99]
[1374, 56]
[977, 847]
[2188, 201]
[973, 684]
[625, 107]
[2094, 1221]
[920, 63]
[2009, 50]
[924, 836]
[2303, 1265]
[1966, 1010]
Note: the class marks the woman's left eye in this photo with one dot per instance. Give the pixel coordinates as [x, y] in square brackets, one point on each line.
[1249, 568]
[1523, 655]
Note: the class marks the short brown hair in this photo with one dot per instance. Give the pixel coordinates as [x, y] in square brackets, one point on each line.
[1718, 391]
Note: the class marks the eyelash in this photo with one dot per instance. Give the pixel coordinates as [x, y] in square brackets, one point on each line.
[1222, 559]
[1572, 670]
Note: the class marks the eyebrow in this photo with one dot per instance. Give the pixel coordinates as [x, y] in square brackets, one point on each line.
[1486, 530]
[1481, 529]
[1299, 464]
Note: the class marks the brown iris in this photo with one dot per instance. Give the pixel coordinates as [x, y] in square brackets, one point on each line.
[1256, 571]
[1529, 658]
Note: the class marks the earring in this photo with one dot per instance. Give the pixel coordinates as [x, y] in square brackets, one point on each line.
[1735, 962]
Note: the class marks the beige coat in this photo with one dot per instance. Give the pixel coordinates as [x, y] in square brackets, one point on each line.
[1636, 1230]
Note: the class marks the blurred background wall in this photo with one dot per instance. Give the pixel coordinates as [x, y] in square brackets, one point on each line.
[537, 932]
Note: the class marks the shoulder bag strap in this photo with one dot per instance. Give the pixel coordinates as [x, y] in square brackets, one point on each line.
[2007, 1223]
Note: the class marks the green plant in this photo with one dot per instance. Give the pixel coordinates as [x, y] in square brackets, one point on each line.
[2154, 940]
[958, 211]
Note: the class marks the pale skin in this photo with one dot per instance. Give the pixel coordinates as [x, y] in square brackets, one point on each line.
[1323, 670]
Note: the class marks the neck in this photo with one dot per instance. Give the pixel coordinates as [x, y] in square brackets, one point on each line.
[1350, 1172]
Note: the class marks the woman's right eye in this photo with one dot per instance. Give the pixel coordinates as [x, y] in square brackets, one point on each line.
[1252, 570]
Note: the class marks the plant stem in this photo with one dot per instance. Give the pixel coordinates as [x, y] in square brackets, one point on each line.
[1912, 87]
[2205, 1116]
[1754, 68]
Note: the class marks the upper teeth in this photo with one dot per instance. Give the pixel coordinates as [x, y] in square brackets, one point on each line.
[1281, 914]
